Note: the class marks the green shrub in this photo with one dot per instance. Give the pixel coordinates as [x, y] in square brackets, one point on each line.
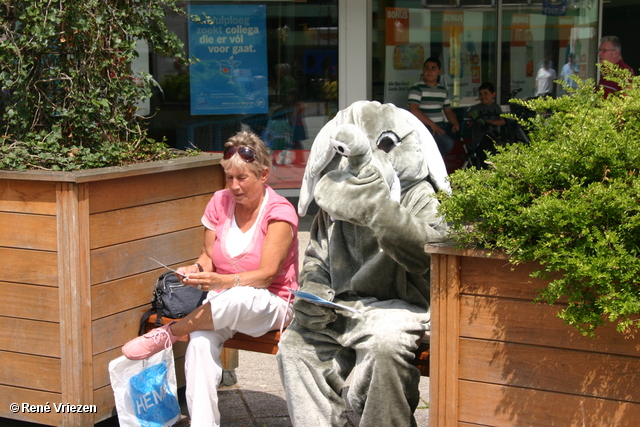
[68, 91]
[570, 200]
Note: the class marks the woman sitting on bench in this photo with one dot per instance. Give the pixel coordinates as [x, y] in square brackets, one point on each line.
[249, 258]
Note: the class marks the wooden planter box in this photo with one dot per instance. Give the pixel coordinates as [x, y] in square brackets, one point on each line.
[497, 359]
[75, 274]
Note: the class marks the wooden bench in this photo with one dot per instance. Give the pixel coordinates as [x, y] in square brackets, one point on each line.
[268, 343]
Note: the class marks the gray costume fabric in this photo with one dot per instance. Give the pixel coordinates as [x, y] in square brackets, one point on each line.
[366, 251]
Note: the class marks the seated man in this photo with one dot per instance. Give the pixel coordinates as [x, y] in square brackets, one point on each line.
[366, 251]
[429, 101]
[485, 124]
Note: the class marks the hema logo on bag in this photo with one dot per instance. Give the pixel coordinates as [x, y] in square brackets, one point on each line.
[153, 400]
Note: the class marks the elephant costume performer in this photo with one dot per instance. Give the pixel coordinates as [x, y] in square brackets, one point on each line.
[366, 251]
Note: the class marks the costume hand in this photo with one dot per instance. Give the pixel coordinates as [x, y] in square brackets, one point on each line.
[352, 199]
[313, 316]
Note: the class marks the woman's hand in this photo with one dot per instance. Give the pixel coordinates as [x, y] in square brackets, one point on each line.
[183, 272]
[205, 280]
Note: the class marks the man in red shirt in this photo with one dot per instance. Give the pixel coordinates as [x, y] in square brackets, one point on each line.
[611, 50]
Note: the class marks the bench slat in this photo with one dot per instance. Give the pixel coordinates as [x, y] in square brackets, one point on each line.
[268, 343]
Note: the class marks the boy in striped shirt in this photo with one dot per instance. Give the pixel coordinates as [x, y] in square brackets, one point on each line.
[429, 102]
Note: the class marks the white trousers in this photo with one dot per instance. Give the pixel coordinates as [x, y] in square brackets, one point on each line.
[242, 309]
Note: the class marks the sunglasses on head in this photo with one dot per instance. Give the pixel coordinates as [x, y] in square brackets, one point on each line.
[245, 153]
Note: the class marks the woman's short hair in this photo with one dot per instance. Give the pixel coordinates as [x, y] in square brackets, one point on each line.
[253, 141]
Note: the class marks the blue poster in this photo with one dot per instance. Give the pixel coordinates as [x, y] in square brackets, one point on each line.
[554, 7]
[231, 74]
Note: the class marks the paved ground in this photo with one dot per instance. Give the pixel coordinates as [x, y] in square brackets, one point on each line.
[258, 398]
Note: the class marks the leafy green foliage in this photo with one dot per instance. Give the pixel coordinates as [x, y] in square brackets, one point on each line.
[68, 90]
[570, 200]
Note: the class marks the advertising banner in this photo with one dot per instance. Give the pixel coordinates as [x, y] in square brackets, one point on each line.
[461, 55]
[231, 46]
[407, 46]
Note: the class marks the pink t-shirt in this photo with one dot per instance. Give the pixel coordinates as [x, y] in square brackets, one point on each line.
[218, 216]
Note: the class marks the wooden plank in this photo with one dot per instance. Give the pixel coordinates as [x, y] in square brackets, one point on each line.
[10, 394]
[119, 295]
[551, 369]
[114, 331]
[445, 279]
[115, 262]
[75, 298]
[451, 248]
[29, 302]
[114, 172]
[30, 337]
[436, 394]
[124, 225]
[27, 266]
[105, 404]
[28, 231]
[498, 277]
[132, 191]
[27, 196]
[494, 405]
[452, 348]
[101, 367]
[520, 321]
[28, 371]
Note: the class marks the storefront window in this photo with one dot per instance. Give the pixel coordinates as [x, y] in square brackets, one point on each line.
[562, 35]
[271, 67]
[463, 34]
[462, 37]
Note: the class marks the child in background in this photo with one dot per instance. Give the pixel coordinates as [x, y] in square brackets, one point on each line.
[429, 102]
[485, 123]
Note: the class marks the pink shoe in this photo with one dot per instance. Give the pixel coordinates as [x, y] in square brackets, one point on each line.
[152, 342]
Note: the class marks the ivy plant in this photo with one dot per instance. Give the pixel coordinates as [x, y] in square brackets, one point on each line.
[68, 92]
[569, 200]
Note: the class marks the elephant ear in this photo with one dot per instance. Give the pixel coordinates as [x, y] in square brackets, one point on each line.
[320, 156]
[432, 157]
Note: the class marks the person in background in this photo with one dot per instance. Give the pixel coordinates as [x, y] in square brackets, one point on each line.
[610, 50]
[544, 79]
[429, 102]
[567, 71]
[249, 258]
[485, 121]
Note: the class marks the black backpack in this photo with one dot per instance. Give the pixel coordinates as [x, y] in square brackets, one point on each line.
[172, 299]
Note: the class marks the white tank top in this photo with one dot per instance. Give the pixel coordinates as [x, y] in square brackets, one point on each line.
[237, 241]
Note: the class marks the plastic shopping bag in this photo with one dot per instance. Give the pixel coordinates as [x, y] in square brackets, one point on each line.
[145, 390]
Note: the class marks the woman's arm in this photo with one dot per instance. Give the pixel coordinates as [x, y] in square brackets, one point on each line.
[204, 261]
[274, 252]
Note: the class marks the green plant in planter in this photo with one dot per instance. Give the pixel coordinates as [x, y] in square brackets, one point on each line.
[570, 200]
[68, 93]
